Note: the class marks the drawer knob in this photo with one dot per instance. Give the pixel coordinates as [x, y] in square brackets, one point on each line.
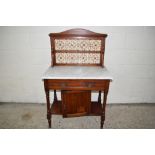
[63, 85]
[90, 84]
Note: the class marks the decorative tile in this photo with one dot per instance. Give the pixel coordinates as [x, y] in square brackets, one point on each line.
[74, 58]
[78, 44]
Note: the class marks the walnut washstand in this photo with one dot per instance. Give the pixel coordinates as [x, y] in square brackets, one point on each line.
[77, 69]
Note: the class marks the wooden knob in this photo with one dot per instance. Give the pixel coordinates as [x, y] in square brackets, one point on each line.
[90, 84]
[63, 85]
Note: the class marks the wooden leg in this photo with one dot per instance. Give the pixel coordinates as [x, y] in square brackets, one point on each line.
[55, 96]
[103, 109]
[99, 97]
[102, 120]
[48, 108]
[49, 120]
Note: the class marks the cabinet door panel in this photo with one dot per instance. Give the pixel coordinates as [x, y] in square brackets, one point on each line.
[76, 103]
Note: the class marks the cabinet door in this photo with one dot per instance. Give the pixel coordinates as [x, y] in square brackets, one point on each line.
[75, 103]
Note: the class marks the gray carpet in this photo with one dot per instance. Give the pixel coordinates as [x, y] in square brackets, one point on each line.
[118, 116]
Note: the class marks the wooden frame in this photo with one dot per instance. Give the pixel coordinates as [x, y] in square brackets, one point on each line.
[77, 34]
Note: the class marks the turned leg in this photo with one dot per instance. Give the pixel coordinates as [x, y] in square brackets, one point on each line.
[99, 97]
[49, 119]
[48, 108]
[55, 96]
[103, 109]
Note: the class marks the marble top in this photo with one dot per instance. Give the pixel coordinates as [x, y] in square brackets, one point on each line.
[77, 72]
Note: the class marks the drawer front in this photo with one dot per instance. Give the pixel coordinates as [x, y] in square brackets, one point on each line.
[77, 84]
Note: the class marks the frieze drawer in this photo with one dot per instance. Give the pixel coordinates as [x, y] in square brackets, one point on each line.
[85, 84]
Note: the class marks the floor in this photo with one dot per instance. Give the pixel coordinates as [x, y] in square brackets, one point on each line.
[118, 116]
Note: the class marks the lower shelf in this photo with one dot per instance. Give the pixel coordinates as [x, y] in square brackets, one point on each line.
[96, 108]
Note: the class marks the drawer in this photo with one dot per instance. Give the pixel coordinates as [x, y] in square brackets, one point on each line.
[77, 84]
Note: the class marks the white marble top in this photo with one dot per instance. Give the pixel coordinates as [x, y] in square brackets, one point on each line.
[77, 72]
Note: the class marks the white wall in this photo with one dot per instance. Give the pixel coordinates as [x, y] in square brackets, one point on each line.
[25, 55]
